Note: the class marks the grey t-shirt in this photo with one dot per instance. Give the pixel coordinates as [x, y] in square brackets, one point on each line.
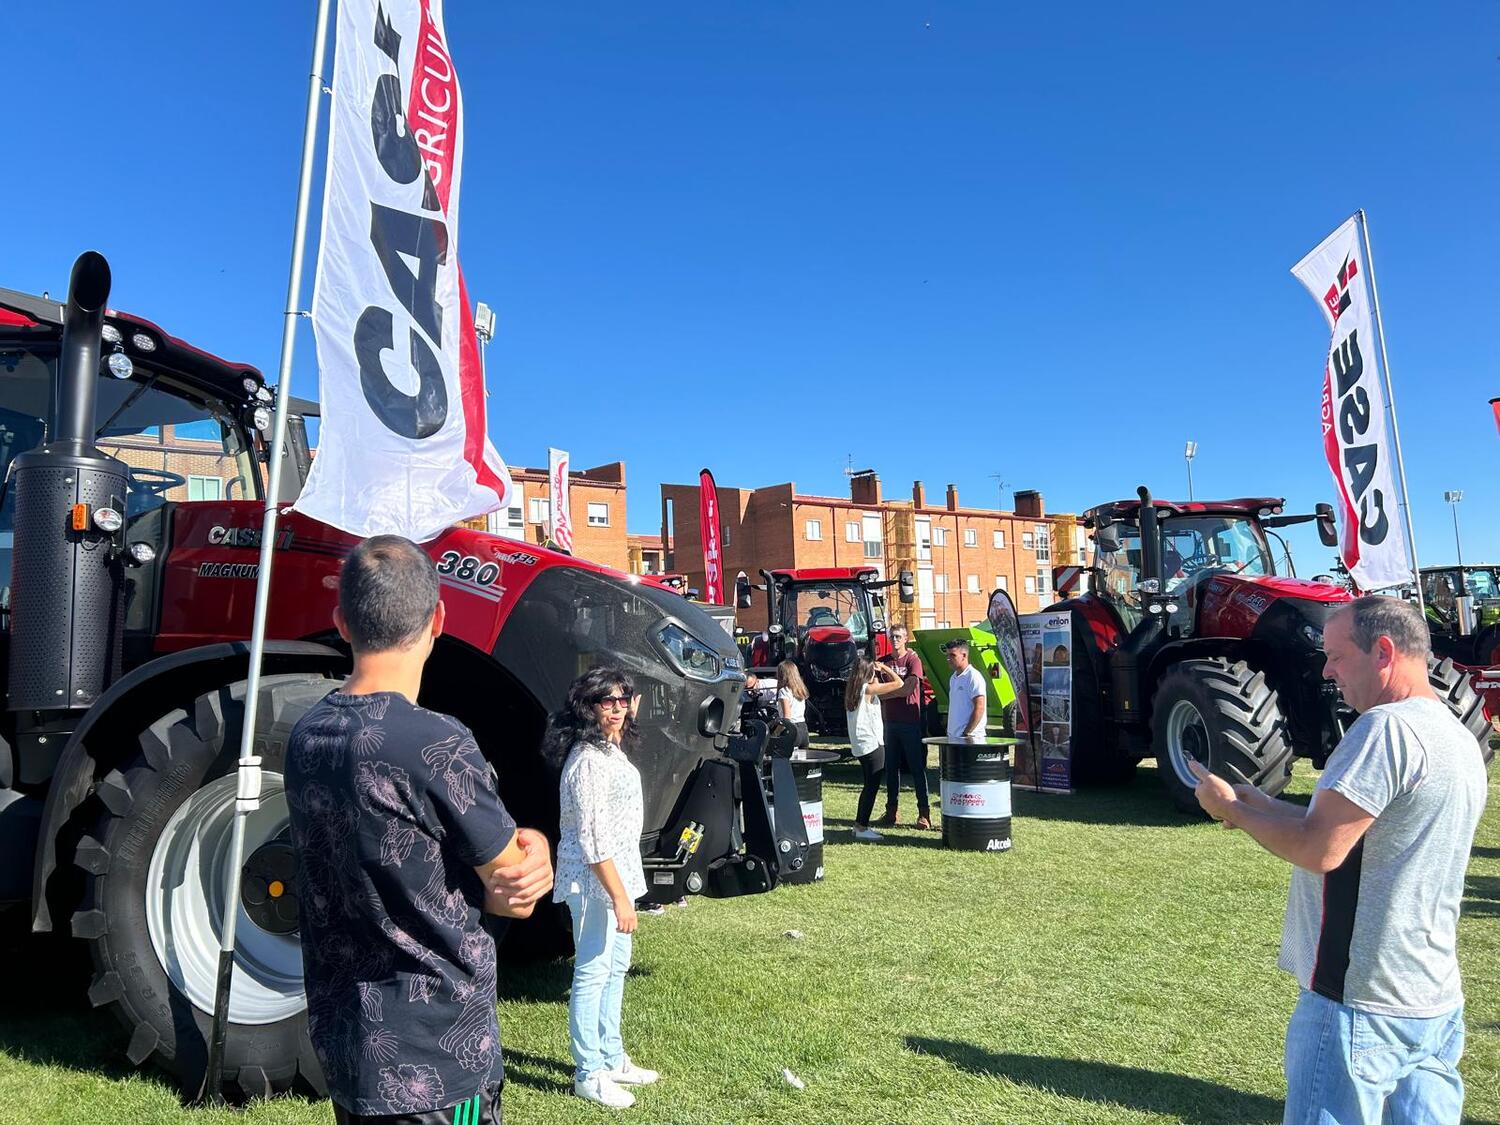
[1378, 933]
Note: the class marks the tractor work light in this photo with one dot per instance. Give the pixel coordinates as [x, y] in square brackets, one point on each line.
[110, 334]
[140, 553]
[263, 394]
[261, 418]
[108, 520]
[119, 365]
[142, 342]
[250, 385]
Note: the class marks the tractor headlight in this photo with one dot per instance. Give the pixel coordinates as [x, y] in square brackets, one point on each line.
[120, 366]
[688, 654]
[1313, 635]
[261, 416]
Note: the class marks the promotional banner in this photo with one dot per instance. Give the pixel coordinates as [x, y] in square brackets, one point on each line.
[562, 513]
[402, 447]
[1356, 443]
[1047, 640]
[708, 522]
[1495, 407]
[1007, 629]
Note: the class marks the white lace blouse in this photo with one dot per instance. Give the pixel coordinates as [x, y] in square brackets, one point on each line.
[602, 816]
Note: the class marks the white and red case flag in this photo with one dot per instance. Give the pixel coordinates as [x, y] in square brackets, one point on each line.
[562, 512]
[1356, 440]
[403, 446]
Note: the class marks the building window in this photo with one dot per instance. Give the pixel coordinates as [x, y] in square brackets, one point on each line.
[944, 625]
[940, 537]
[939, 583]
[1028, 541]
[205, 488]
[971, 537]
[1043, 582]
[1000, 582]
[999, 540]
[1043, 543]
[851, 532]
[541, 510]
[598, 514]
[813, 529]
[872, 537]
[1083, 544]
[872, 550]
[1030, 584]
[924, 540]
[971, 583]
[724, 535]
[515, 516]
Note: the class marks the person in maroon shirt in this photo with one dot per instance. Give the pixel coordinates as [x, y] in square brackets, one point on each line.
[902, 712]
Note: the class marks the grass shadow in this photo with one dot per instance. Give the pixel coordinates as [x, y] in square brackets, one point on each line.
[1485, 853]
[1196, 1101]
[538, 1072]
[1482, 895]
[536, 982]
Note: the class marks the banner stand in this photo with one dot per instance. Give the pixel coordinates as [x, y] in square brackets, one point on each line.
[1047, 644]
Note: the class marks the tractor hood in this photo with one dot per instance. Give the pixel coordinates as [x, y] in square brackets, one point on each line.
[1232, 605]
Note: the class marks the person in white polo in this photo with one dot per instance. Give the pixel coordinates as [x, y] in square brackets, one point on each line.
[967, 706]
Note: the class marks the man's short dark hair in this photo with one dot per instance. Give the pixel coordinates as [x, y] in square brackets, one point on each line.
[388, 590]
[952, 646]
[1374, 616]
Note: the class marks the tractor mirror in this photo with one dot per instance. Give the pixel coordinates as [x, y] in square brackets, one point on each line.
[743, 598]
[1107, 539]
[1328, 530]
[907, 585]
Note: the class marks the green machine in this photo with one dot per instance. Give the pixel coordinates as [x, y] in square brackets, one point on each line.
[983, 654]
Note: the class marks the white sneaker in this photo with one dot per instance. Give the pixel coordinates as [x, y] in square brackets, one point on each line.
[867, 836]
[628, 1074]
[600, 1087]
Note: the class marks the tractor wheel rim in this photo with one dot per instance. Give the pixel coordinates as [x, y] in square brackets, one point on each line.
[185, 887]
[1187, 738]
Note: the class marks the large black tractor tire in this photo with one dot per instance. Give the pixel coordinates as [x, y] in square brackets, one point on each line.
[1223, 714]
[1487, 648]
[151, 907]
[1100, 756]
[1453, 688]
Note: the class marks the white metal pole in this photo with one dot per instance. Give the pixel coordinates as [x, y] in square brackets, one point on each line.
[248, 790]
[1390, 406]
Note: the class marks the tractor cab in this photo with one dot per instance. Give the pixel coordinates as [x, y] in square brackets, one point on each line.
[1463, 612]
[823, 619]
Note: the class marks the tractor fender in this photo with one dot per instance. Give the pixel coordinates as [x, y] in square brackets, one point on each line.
[1175, 652]
[189, 671]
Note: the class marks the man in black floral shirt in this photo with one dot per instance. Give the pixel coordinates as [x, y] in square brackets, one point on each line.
[402, 847]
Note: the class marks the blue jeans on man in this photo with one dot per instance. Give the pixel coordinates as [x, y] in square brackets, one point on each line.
[601, 960]
[903, 747]
[1348, 1067]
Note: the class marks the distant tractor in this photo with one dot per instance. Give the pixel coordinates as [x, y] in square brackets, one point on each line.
[1191, 647]
[823, 619]
[1463, 612]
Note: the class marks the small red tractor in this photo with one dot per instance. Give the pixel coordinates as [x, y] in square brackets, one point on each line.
[128, 572]
[823, 619]
[1190, 646]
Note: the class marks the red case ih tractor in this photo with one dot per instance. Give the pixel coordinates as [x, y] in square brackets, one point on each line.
[1190, 646]
[822, 618]
[126, 610]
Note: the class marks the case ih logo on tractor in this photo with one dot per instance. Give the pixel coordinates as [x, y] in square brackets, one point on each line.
[823, 619]
[125, 660]
[1190, 646]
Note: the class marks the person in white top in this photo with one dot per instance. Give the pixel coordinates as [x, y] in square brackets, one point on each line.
[791, 699]
[867, 682]
[599, 874]
[968, 705]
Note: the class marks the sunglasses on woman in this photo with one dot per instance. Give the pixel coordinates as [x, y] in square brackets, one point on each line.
[614, 700]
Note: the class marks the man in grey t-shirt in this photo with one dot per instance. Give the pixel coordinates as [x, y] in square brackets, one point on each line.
[1379, 859]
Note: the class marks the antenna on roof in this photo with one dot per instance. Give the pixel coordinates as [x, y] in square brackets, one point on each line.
[848, 464]
[1000, 483]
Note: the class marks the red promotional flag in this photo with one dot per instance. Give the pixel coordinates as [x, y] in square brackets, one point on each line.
[1495, 406]
[708, 521]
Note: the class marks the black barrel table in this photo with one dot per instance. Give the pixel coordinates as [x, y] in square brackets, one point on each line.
[807, 768]
[974, 776]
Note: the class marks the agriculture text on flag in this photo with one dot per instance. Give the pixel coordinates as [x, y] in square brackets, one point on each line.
[562, 515]
[403, 447]
[708, 521]
[1356, 440]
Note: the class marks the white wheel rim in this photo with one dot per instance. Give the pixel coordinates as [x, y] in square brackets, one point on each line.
[185, 887]
[1187, 738]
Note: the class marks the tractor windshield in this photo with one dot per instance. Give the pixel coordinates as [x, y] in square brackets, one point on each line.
[809, 607]
[1482, 584]
[1194, 544]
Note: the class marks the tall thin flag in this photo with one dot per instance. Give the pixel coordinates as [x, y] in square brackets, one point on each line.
[561, 503]
[1495, 409]
[1361, 441]
[708, 521]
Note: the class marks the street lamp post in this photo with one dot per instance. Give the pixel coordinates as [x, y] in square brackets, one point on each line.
[1453, 497]
[1190, 451]
[484, 328]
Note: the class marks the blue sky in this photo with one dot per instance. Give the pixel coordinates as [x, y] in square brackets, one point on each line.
[947, 239]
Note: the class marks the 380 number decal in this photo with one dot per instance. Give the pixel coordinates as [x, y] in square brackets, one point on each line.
[466, 568]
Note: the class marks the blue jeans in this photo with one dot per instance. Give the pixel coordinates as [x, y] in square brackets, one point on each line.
[1347, 1067]
[601, 958]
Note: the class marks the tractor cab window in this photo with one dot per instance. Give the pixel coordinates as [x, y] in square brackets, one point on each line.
[1482, 584]
[1194, 545]
[812, 607]
[1119, 572]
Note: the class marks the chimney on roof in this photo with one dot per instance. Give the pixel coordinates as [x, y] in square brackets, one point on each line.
[918, 495]
[1029, 503]
[864, 487]
[952, 499]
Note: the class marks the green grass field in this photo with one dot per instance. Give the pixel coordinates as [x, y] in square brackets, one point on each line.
[1117, 966]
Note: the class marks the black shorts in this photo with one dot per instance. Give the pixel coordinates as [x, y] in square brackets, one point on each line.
[481, 1109]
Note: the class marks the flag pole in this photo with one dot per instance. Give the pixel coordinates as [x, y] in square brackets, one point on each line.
[1390, 408]
[247, 794]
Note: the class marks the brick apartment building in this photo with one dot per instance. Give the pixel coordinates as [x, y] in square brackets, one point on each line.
[959, 555]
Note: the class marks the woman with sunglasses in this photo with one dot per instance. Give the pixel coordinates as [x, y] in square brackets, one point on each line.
[599, 874]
